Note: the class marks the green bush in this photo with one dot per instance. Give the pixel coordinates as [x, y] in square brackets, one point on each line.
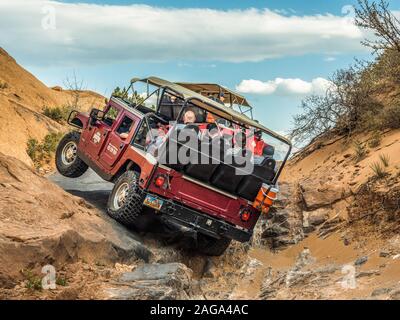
[375, 140]
[33, 282]
[379, 170]
[391, 117]
[61, 281]
[59, 114]
[385, 159]
[359, 151]
[32, 148]
[51, 141]
[40, 151]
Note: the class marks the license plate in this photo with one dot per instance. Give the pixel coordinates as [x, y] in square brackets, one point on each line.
[153, 202]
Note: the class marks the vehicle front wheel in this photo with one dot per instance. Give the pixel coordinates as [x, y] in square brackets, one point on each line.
[67, 161]
[125, 204]
[212, 246]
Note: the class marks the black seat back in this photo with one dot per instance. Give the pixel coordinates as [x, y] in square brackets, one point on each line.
[211, 152]
[180, 142]
[189, 142]
[230, 173]
[169, 151]
[251, 184]
[166, 111]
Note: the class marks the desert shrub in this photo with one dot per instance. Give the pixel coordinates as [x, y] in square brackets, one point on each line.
[32, 148]
[359, 98]
[378, 169]
[391, 117]
[59, 114]
[61, 281]
[44, 150]
[132, 97]
[50, 142]
[346, 107]
[385, 159]
[375, 140]
[360, 151]
[377, 17]
[32, 281]
[3, 85]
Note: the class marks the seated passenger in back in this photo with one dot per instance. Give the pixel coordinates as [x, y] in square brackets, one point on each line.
[267, 152]
[237, 148]
[210, 133]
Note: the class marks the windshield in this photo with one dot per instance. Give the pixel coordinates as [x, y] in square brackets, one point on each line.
[142, 95]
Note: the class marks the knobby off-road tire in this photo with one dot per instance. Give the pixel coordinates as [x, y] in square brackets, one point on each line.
[212, 246]
[125, 203]
[67, 161]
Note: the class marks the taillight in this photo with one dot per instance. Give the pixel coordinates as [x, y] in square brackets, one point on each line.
[245, 215]
[160, 181]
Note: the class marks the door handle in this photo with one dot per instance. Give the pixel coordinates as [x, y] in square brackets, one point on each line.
[121, 145]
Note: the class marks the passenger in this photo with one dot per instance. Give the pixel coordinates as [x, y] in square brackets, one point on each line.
[156, 139]
[168, 99]
[159, 135]
[189, 117]
[210, 133]
[258, 143]
[220, 98]
[124, 128]
[237, 149]
[268, 152]
[170, 106]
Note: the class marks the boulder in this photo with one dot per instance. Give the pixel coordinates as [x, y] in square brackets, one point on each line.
[154, 282]
[274, 231]
[41, 224]
[57, 88]
[317, 194]
[361, 261]
[316, 217]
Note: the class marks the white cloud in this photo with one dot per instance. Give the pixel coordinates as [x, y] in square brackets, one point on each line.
[92, 33]
[284, 87]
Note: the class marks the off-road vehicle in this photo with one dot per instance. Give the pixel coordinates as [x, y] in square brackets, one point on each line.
[203, 166]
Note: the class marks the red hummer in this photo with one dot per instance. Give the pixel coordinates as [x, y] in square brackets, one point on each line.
[194, 159]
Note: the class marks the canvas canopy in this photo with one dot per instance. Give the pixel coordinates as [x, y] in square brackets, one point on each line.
[231, 97]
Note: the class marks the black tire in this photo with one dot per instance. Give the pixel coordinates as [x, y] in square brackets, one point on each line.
[212, 246]
[76, 167]
[128, 211]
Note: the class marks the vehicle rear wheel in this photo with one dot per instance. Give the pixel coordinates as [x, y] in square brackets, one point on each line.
[67, 161]
[125, 204]
[212, 246]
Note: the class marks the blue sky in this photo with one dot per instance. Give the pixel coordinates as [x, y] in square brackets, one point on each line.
[282, 45]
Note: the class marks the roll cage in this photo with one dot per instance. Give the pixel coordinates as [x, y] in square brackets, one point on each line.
[193, 98]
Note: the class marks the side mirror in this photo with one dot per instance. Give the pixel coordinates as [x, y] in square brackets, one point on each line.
[96, 115]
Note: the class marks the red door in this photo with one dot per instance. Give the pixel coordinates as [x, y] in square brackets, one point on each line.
[118, 140]
[95, 137]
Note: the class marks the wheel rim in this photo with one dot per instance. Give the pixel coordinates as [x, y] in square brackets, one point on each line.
[68, 154]
[120, 196]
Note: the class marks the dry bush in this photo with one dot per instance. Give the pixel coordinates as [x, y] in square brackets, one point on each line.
[359, 151]
[377, 17]
[375, 140]
[364, 97]
[385, 159]
[378, 169]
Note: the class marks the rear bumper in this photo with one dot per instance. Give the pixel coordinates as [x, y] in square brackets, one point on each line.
[180, 215]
